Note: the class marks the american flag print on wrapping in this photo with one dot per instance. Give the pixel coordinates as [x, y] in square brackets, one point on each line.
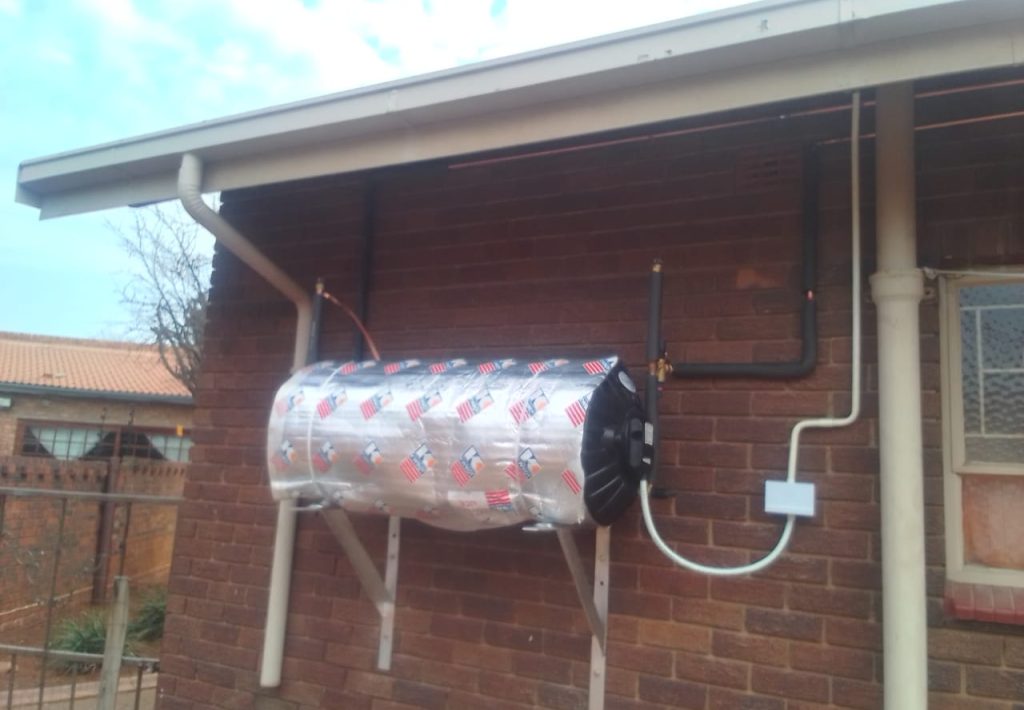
[418, 407]
[538, 367]
[499, 500]
[325, 457]
[525, 409]
[467, 466]
[351, 367]
[287, 404]
[369, 458]
[577, 411]
[329, 404]
[285, 456]
[525, 467]
[570, 480]
[599, 367]
[474, 405]
[393, 367]
[486, 368]
[417, 463]
[375, 403]
[438, 367]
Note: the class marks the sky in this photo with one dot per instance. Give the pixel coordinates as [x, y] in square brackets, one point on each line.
[75, 73]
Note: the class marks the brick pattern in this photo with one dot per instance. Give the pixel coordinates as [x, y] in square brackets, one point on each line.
[549, 255]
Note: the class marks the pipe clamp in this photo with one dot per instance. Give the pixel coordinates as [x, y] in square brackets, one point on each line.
[902, 285]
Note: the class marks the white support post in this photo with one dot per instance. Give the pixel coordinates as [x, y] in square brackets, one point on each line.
[897, 289]
[598, 646]
[594, 599]
[387, 616]
[380, 591]
[113, 648]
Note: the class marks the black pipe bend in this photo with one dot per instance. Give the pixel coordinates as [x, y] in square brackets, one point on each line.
[809, 308]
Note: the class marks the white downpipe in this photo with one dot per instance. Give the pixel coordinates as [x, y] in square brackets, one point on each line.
[190, 180]
[820, 423]
[897, 290]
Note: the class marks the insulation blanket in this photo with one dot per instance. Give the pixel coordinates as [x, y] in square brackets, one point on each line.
[459, 444]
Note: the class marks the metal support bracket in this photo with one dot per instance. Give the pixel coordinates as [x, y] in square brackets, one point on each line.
[594, 599]
[380, 591]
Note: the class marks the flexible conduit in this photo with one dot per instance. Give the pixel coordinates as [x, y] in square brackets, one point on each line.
[820, 423]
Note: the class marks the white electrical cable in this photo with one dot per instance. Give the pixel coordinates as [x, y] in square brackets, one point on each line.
[821, 423]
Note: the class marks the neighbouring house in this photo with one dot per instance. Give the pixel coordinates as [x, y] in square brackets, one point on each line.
[74, 399]
[513, 209]
[85, 415]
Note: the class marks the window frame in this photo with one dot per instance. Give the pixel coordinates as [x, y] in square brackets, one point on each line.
[954, 464]
[118, 430]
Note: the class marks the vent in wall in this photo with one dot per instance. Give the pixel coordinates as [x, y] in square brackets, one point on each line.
[766, 167]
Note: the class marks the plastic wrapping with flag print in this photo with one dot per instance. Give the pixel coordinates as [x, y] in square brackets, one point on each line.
[461, 444]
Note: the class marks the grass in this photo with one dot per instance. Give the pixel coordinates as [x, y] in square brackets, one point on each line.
[86, 633]
[148, 624]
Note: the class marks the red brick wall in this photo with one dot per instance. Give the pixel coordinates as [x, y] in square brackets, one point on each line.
[30, 536]
[549, 255]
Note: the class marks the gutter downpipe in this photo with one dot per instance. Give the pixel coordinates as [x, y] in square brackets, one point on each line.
[897, 289]
[190, 179]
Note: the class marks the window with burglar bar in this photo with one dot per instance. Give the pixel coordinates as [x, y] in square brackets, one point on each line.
[69, 442]
[983, 451]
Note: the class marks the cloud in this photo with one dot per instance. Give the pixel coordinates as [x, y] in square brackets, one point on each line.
[91, 71]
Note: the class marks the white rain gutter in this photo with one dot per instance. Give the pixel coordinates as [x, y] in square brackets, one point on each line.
[897, 289]
[190, 181]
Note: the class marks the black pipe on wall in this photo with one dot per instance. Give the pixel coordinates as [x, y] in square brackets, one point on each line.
[654, 354]
[313, 351]
[366, 263]
[809, 307]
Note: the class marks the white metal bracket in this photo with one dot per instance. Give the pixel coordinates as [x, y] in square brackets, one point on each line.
[594, 599]
[380, 591]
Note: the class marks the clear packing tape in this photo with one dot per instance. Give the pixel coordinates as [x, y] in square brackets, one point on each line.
[459, 444]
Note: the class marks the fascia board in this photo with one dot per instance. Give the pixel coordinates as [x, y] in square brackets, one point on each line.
[538, 97]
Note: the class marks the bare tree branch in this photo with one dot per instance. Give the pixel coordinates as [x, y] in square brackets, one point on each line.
[168, 295]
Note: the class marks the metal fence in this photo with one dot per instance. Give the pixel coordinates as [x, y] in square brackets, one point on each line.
[114, 658]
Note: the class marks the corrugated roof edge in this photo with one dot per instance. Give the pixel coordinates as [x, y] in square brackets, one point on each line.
[77, 342]
[72, 393]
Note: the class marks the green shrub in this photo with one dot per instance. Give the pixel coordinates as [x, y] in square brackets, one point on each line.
[148, 624]
[86, 633]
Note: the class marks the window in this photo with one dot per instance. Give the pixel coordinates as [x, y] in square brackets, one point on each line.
[73, 441]
[983, 451]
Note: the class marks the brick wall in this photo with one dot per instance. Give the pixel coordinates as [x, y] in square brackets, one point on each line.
[31, 532]
[549, 255]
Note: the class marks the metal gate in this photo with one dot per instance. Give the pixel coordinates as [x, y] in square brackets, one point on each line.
[111, 690]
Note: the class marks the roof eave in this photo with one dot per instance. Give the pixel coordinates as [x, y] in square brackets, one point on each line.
[757, 54]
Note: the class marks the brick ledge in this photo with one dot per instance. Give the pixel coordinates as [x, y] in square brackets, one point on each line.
[984, 602]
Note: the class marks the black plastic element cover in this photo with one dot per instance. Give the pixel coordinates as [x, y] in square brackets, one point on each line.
[612, 435]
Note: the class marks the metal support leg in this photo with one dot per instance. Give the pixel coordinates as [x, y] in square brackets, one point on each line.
[380, 591]
[387, 616]
[594, 600]
[598, 647]
[586, 593]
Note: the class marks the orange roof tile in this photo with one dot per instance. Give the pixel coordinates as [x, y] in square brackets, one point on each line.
[78, 364]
